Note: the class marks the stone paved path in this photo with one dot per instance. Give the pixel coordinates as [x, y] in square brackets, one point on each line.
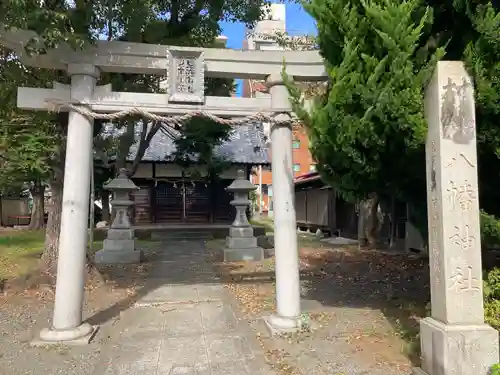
[184, 323]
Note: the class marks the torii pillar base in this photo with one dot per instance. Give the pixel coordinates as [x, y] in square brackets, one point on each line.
[81, 335]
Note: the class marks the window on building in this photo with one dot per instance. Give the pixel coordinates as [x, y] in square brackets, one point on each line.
[295, 143]
[312, 168]
[296, 167]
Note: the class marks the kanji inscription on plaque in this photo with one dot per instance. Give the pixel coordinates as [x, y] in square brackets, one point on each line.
[186, 76]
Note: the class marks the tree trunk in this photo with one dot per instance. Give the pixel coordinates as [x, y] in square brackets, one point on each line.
[124, 143]
[372, 227]
[393, 230]
[105, 207]
[50, 253]
[416, 214]
[48, 261]
[37, 212]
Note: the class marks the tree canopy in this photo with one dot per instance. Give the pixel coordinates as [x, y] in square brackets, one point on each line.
[29, 141]
[150, 21]
[78, 23]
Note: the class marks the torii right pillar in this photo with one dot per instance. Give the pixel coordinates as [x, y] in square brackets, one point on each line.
[287, 317]
[454, 340]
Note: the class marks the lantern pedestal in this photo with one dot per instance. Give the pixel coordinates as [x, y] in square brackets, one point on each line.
[255, 254]
[118, 252]
[241, 244]
[119, 245]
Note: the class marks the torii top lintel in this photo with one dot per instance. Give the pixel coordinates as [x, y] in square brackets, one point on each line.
[124, 57]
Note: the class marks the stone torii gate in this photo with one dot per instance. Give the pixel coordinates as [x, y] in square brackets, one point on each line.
[455, 339]
[185, 69]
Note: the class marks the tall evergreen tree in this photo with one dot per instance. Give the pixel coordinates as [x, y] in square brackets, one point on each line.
[367, 132]
[482, 56]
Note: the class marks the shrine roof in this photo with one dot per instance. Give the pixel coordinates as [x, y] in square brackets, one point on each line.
[247, 145]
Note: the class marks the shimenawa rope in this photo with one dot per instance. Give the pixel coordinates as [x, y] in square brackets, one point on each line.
[174, 121]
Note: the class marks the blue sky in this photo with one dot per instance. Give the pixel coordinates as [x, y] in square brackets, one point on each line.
[298, 22]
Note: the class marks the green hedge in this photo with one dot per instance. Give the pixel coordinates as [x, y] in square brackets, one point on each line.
[490, 230]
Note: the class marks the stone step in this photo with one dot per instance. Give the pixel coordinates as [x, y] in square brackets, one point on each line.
[182, 235]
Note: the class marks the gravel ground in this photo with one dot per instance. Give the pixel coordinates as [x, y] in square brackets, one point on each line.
[357, 303]
[363, 307]
[22, 317]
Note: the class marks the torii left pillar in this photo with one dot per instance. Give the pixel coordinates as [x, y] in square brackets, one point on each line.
[67, 326]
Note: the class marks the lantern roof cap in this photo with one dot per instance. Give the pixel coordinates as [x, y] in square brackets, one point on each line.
[121, 182]
[241, 184]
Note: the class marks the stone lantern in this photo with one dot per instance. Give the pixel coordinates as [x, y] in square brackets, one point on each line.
[241, 244]
[119, 245]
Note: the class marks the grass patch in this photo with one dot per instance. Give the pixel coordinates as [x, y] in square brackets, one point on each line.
[265, 222]
[20, 251]
[21, 238]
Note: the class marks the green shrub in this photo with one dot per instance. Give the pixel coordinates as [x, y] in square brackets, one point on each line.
[491, 294]
[490, 230]
[495, 369]
[490, 238]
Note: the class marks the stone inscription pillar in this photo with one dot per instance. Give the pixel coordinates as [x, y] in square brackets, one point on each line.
[67, 323]
[455, 340]
[285, 225]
